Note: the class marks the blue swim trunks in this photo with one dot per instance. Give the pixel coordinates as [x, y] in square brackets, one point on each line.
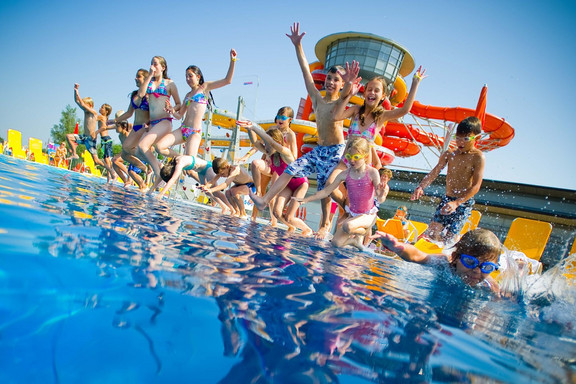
[454, 222]
[107, 146]
[322, 160]
[88, 142]
[135, 169]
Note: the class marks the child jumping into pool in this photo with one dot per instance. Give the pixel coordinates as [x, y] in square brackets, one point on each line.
[474, 257]
[90, 122]
[280, 157]
[243, 184]
[158, 88]
[363, 186]
[202, 171]
[326, 155]
[463, 181]
[106, 140]
[193, 110]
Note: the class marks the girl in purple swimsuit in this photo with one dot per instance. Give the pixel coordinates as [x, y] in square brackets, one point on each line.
[192, 110]
[158, 88]
[363, 186]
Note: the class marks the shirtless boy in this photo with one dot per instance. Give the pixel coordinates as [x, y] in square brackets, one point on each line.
[243, 184]
[90, 122]
[324, 157]
[105, 139]
[463, 181]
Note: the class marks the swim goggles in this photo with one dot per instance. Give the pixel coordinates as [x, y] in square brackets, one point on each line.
[355, 157]
[282, 117]
[466, 138]
[471, 262]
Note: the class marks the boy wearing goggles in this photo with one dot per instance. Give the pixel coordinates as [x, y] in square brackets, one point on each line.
[463, 180]
[474, 257]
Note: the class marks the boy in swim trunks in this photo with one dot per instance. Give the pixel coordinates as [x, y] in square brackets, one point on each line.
[90, 121]
[106, 140]
[323, 158]
[243, 184]
[463, 181]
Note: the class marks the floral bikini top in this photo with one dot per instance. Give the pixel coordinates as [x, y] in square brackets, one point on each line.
[369, 133]
[160, 91]
[199, 98]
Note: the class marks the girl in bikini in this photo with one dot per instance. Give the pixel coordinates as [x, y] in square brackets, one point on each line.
[141, 111]
[280, 156]
[371, 117]
[363, 186]
[193, 110]
[158, 88]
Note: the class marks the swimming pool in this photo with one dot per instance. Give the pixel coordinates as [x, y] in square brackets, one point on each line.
[100, 284]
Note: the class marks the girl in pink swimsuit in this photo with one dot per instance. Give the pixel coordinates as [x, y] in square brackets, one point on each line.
[192, 110]
[281, 155]
[363, 186]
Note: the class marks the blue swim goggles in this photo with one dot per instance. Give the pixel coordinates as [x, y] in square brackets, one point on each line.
[471, 262]
[282, 117]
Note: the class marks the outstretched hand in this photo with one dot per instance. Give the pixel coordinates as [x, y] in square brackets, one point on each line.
[295, 35]
[352, 71]
[76, 86]
[419, 75]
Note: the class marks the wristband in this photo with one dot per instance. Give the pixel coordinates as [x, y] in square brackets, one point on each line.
[234, 59]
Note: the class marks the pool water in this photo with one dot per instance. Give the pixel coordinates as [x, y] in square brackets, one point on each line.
[99, 284]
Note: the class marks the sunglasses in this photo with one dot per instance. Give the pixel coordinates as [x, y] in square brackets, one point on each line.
[471, 262]
[282, 117]
[355, 157]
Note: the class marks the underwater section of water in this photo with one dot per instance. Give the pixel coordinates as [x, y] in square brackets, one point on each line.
[101, 284]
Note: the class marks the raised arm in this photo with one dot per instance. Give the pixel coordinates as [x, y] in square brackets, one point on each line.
[85, 107]
[296, 39]
[210, 85]
[146, 82]
[430, 177]
[407, 106]
[271, 142]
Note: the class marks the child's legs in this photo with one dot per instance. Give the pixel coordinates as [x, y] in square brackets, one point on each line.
[359, 225]
[292, 209]
[280, 203]
[120, 168]
[337, 170]
[172, 138]
[221, 199]
[72, 143]
[192, 144]
[156, 133]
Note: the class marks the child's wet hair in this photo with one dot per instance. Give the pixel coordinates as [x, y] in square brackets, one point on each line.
[286, 111]
[163, 63]
[196, 70]
[337, 69]
[88, 100]
[142, 72]
[167, 170]
[219, 164]
[470, 125]
[107, 108]
[276, 135]
[480, 243]
[360, 144]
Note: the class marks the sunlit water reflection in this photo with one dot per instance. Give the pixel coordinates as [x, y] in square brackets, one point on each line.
[100, 284]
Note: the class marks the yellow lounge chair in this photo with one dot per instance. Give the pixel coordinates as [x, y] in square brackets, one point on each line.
[418, 229]
[472, 222]
[35, 146]
[15, 142]
[89, 162]
[393, 227]
[528, 236]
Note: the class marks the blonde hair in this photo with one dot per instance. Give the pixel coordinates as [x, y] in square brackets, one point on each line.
[219, 164]
[276, 135]
[360, 144]
[119, 113]
[88, 101]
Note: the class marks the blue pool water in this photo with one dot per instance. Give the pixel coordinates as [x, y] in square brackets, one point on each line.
[101, 285]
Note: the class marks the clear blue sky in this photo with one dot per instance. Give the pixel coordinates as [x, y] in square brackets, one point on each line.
[523, 50]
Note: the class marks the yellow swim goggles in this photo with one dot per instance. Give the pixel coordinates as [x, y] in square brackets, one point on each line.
[355, 157]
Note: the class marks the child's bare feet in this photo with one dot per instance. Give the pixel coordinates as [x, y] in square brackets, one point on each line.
[321, 234]
[258, 201]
